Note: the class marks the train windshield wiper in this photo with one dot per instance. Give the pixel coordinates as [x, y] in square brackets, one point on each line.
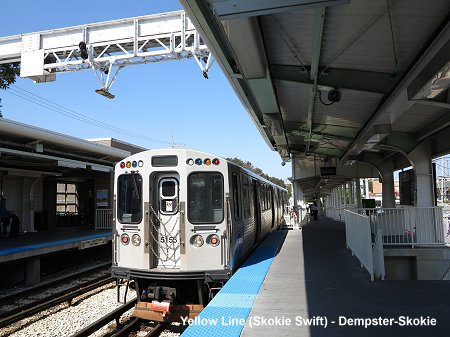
[136, 188]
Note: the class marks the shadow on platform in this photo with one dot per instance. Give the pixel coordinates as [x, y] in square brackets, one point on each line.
[337, 288]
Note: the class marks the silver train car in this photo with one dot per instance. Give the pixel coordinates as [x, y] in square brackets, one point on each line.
[183, 223]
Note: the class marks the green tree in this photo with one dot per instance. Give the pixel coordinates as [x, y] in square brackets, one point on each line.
[8, 73]
[289, 188]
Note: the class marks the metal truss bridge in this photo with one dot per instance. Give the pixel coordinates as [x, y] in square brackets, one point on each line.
[106, 47]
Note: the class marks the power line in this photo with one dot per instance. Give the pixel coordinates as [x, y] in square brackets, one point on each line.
[43, 102]
[47, 104]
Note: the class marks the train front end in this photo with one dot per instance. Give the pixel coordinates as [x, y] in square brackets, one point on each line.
[170, 235]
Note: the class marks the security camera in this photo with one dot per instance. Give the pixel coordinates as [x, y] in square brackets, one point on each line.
[283, 163]
[334, 95]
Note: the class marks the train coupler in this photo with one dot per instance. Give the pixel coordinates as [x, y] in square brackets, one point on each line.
[161, 307]
[166, 312]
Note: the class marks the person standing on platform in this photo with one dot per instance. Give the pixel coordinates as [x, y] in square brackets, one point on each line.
[15, 226]
[314, 210]
[4, 216]
[293, 214]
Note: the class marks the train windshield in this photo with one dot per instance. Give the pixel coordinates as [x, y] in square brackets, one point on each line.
[129, 198]
[205, 197]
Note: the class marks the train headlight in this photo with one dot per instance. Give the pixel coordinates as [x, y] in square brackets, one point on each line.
[140, 163]
[122, 165]
[207, 162]
[213, 240]
[190, 161]
[125, 239]
[216, 161]
[199, 161]
[136, 240]
[197, 240]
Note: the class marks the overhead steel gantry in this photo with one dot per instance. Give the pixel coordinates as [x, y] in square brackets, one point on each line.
[106, 47]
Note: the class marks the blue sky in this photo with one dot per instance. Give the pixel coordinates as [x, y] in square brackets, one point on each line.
[161, 101]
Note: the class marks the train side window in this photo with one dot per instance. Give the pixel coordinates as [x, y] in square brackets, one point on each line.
[264, 197]
[246, 195]
[236, 197]
[129, 198]
[205, 197]
[261, 197]
[269, 197]
[252, 192]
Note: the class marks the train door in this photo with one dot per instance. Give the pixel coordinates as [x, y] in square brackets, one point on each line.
[168, 220]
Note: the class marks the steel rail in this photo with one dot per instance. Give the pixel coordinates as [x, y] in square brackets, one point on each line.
[67, 295]
[113, 315]
[50, 283]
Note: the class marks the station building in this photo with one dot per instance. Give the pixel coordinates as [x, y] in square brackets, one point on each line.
[61, 189]
[51, 180]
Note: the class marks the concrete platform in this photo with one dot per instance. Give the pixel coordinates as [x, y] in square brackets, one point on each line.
[316, 288]
[227, 313]
[35, 244]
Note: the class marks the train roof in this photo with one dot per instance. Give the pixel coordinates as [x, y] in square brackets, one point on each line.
[185, 150]
[253, 174]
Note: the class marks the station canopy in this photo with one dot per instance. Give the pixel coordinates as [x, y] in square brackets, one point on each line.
[27, 149]
[353, 81]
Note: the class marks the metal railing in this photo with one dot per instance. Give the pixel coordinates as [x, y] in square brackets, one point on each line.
[368, 230]
[335, 213]
[410, 226]
[103, 219]
[378, 256]
[359, 239]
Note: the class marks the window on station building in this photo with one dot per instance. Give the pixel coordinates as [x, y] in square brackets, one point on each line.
[67, 198]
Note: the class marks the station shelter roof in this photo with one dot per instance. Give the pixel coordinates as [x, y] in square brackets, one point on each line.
[336, 81]
[29, 148]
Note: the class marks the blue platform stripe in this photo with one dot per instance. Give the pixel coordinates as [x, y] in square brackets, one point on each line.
[236, 300]
[226, 314]
[52, 243]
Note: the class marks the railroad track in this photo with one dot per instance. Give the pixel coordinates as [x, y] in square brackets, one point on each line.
[15, 296]
[133, 326]
[18, 313]
[112, 316]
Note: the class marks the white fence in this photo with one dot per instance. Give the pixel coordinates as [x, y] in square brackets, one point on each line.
[378, 256]
[103, 219]
[411, 226]
[335, 213]
[368, 230]
[359, 239]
